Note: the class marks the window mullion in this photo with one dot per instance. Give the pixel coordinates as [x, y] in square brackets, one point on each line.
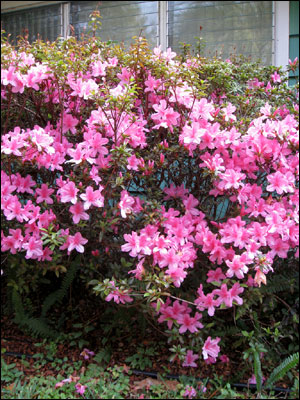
[281, 33]
[65, 19]
[162, 24]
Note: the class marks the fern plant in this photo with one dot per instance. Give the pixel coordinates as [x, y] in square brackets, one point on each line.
[39, 325]
[279, 372]
[57, 296]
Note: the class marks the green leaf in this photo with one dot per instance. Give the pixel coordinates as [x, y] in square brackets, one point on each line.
[282, 369]
[257, 371]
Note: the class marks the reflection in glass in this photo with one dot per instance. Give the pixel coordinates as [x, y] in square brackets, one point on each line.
[121, 20]
[228, 27]
[42, 22]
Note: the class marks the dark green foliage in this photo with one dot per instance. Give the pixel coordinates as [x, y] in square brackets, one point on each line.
[279, 372]
[57, 296]
[257, 370]
[40, 326]
[37, 326]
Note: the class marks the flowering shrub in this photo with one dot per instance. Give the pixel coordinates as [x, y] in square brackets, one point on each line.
[174, 177]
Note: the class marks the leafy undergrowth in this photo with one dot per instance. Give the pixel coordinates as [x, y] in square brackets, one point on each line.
[65, 369]
[101, 347]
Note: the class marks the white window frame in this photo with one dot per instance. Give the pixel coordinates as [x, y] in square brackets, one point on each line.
[65, 19]
[280, 24]
[281, 34]
[163, 24]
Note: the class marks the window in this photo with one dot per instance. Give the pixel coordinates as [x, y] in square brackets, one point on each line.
[254, 28]
[294, 38]
[42, 22]
[130, 17]
[239, 27]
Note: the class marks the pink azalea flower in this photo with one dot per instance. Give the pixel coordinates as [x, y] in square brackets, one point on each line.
[92, 197]
[276, 77]
[151, 84]
[177, 273]
[189, 323]
[166, 315]
[281, 183]
[211, 348]
[44, 194]
[224, 295]
[210, 360]
[78, 212]
[175, 191]
[68, 193]
[191, 134]
[190, 359]
[224, 358]
[14, 210]
[190, 203]
[165, 116]
[78, 155]
[133, 163]
[46, 255]
[231, 179]
[76, 242]
[132, 244]
[169, 54]
[86, 353]
[13, 145]
[215, 276]
[252, 380]
[98, 68]
[24, 184]
[42, 140]
[45, 218]
[80, 389]
[69, 123]
[228, 112]
[237, 267]
[179, 309]
[34, 248]
[190, 392]
[126, 203]
[94, 175]
[235, 291]
[260, 277]
[202, 108]
[118, 296]
[278, 247]
[139, 270]
[207, 302]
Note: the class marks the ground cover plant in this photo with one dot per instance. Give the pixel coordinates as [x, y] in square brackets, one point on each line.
[166, 184]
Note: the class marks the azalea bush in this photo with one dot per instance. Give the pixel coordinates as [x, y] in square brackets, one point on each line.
[174, 178]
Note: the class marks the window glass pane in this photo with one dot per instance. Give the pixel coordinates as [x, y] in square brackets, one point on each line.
[120, 19]
[238, 27]
[294, 18]
[43, 22]
[294, 38]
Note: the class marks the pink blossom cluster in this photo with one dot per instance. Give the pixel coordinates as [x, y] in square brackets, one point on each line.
[108, 131]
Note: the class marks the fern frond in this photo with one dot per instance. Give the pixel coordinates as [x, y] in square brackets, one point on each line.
[39, 327]
[282, 369]
[257, 371]
[281, 282]
[57, 296]
[36, 325]
[228, 331]
[17, 305]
